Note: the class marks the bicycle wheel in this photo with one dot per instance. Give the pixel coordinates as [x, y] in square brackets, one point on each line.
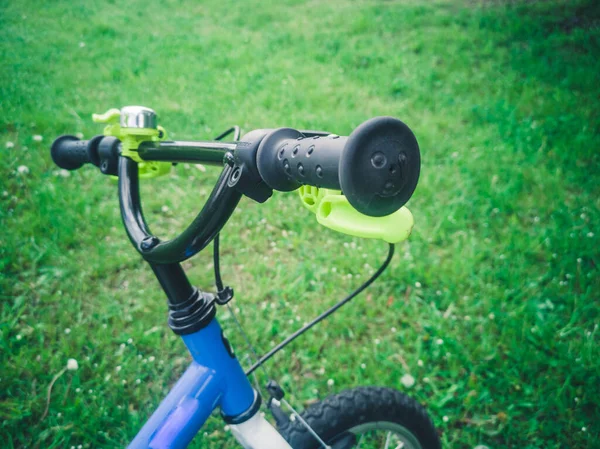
[365, 418]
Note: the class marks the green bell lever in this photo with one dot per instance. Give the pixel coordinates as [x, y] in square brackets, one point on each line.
[133, 125]
[333, 211]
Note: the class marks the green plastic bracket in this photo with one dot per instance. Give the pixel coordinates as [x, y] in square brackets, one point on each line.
[333, 210]
[131, 138]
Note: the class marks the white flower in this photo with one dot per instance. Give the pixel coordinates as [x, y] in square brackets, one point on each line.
[491, 316]
[407, 380]
[19, 336]
[38, 138]
[584, 429]
[67, 331]
[330, 383]
[418, 284]
[63, 173]
[420, 362]
[377, 341]
[23, 169]
[81, 44]
[151, 358]
[439, 341]
[137, 381]
[445, 419]
[590, 234]
[165, 209]
[393, 329]
[363, 366]
[129, 341]
[10, 145]
[72, 365]
[77, 390]
[201, 167]
[79, 135]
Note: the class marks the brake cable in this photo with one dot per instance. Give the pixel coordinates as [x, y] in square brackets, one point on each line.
[224, 294]
[325, 314]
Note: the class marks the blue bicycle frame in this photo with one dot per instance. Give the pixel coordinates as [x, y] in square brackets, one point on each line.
[214, 379]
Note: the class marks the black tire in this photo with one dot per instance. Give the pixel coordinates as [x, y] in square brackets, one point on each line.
[334, 417]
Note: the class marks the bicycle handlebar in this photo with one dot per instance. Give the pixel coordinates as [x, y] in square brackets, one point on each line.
[377, 167]
[69, 152]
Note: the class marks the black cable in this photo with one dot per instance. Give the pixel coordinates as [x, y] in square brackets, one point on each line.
[216, 263]
[234, 129]
[216, 258]
[324, 315]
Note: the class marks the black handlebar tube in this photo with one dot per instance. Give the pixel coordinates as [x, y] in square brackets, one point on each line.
[213, 216]
[210, 153]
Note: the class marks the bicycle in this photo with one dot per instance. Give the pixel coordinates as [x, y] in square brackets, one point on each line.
[377, 169]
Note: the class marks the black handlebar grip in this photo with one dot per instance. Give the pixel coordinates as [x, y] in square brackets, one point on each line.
[377, 167]
[70, 152]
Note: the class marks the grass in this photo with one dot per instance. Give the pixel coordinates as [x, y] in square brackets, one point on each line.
[492, 305]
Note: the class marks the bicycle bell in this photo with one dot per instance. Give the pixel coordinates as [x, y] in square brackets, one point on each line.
[138, 117]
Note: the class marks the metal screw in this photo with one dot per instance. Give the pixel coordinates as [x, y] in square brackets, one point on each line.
[148, 243]
[229, 159]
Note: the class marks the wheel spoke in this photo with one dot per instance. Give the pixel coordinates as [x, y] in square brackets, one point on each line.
[360, 441]
[387, 440]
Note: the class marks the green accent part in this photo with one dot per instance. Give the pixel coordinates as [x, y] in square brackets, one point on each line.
[335, 212]
[131, 138]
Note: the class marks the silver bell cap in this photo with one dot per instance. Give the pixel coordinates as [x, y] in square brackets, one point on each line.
[138, 117]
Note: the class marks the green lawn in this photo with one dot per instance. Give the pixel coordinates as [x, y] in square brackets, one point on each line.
[492, 305]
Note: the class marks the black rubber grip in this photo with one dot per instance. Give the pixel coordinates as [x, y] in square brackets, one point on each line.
[377, 167]
[70, 152]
